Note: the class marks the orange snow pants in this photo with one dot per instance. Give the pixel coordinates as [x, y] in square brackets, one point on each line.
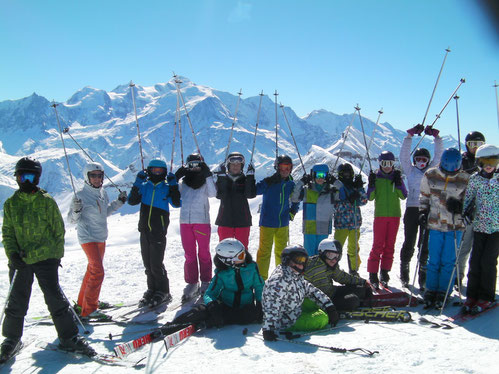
[88, 298]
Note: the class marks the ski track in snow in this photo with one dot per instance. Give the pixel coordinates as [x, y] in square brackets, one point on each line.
[403, 347]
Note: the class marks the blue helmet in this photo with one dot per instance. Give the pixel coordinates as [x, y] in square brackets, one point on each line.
[320, 168]
[450, 162]
[157, 164]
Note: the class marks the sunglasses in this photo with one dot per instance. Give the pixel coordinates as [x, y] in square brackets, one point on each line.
[236, 160]
[320, 175]
[285, 167]
[387, 163]
[421, 159]
[157, 171]
[474, 143]
[27, 177]
[193, 164]
[299, 259]
[330, 255]
[96, 175]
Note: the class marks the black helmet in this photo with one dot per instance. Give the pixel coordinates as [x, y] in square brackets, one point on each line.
[282, 159]
[295, 253]
[28, 165]
[475, 138]
[345, 172]
[194, 160]
[421, 152]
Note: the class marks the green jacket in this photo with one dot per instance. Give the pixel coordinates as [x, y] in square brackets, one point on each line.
[33, 226]
[387, 196]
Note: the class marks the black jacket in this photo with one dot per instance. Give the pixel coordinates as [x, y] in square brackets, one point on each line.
[233, 195]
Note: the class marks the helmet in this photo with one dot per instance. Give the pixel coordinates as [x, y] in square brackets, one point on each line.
[487, 154]
[450, 162]
[156, 163]
[29, 165]
[386, 159]
[330, 245]
[193, 160]
[282, 159]
[475, 139]
[234, 158]
[231, 252]
[345, 172]
[92, 166]
[421, 152]
[296, 254]
[318, 170]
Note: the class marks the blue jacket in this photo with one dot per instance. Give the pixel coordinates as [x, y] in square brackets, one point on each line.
[276, 201]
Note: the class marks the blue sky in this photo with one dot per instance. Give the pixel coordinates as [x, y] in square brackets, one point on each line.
[318, 54]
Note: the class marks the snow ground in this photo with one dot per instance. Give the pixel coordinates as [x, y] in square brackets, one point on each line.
[403, 347]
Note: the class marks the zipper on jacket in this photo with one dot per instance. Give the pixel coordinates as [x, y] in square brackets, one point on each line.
[281, 200]
[150, 209]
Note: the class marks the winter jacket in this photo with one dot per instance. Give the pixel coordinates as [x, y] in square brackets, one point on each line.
[412, 173]
[235, 287]
[195, 205]
[92, 220]
[436, 188]
[318, 207]
[154, 209]
[347, 214]
[321, 275]
[469, 163]
[386, 195]
[33, 227]
[233, 194]
[276, 201]
[484, 193]
[283, 296]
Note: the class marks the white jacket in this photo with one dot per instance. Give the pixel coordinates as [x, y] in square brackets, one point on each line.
[195, 205]
[412, 173]
[92, 220]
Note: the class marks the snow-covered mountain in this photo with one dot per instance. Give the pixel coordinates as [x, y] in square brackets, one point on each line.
[103, 123]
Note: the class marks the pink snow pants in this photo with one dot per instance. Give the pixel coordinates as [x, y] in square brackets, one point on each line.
[385, 232]
[239, 233]
[192, 234]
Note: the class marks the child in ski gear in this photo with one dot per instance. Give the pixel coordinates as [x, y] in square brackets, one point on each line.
[440, 206]
[89, 209]
[155, 194]
[473, 140]
[414, 169]
[196, 186]
[347, 217]
[318, 206]
[234, 188]
[386, 188]
[234, 295]
[284, 303]
[323, 270]
[33, 238]
[483, 192]
[275, 213]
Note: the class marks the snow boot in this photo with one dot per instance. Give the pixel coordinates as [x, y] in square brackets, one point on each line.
[77, 344]
[146, 298]
[160, 298]
[422, 278]
[404, 274]
[429, 299]
[204, 287]
[384, 277]
[481, 305]
[104, 305]
[190, 291]
[9, 348]
[439, 300]
[468, 305]
[373, 279]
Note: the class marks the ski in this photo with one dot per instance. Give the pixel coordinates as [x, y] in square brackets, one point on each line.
[436, 321]
[394, 298]
[461, 317]
[146, 309]
[378, 315]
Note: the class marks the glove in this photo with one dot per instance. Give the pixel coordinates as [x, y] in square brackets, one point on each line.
[353, 196]
[269, 336]
[181, 172]
[141, 176]
[171, 179]
[333, 315]
[372, 179]
[306, 179]
[215, 316]
[16, 261]
[123, 197]
[431, 131]
[454, 205]
[251, 170]
[423, 217]
[397, 178]
[77, 205]
[259, 312]
[205, 170]
[330, 178]
[358, 182]
[416, 130]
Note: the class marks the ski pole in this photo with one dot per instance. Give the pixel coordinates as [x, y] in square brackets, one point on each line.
[344, 136]
[294, 141]
[497, 101]
[8, 295]
[85, 331]
[233, 123]
[54, 105]
[458, 127]
[180, 132]
[357, 108]
[256, 128]
[132, 85]
[174, 136]
[371, 140]
[422, 233]
[276, 127]
[66, 131]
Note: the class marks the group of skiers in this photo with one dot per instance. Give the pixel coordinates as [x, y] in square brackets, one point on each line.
[300, 294]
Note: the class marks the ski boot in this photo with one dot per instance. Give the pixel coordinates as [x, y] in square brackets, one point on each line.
[439, 300]
[481, 305]
[373, 279]
[204, 287]
[429, 299]
[384, 277]
[468, 305]
[404, 274]
[160, 298]
[422, 278]
[77, 344]
[190, 292]
[146, 298]
[9, 348]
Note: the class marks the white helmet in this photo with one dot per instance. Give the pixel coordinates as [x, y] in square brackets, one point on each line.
[230, 251]
[332, 245]
[92, 166]
[487, 151]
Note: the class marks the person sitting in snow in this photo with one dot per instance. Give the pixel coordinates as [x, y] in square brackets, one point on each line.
[290, 303]
[318, 206]
[323, 270]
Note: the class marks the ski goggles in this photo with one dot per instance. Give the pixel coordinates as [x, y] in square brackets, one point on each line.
[240, 256]
[236, 160]
[387, 163]
[194, 164]
[320, 175]
[299, 259]
[474, 143]
[96, 175]
[156, 170]
[489, 162]
[28, 177]
[330, 255]
[421, 159]
[285, 167]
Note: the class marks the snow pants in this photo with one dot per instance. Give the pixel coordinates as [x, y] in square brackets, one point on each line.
[464, 251]
[153, 253]
[311, 243]
[267, 237]
[311, 318]
[442, 260]
[196, 242]
[411, 228]
[46, 273]
[353, 246]
[483, 267]
[239, 233]
[88, 297]
[385, 233]
[349, 297]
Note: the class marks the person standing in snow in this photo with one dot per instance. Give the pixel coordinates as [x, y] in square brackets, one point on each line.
[155, 195]
[483, 193]
[33, 239]
[440, 206]
[318, 206]
[234, 188]
[292, 303]
[386, 188]
[414, 171]
[276, 212]
[89, 209]
[196, 186]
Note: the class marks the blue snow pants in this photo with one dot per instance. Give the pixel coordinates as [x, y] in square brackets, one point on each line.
[311, 243]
